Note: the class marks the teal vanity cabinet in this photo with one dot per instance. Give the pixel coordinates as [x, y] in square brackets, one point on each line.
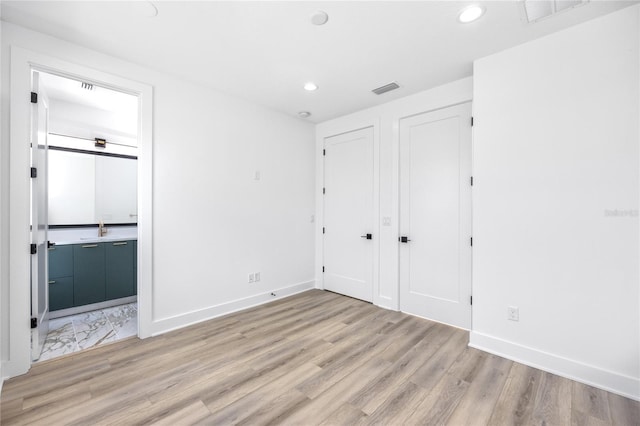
[88, 273]
[81, 274]
[60, 277]
[119, 269]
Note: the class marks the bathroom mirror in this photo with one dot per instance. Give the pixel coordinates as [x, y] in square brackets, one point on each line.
[85, 188]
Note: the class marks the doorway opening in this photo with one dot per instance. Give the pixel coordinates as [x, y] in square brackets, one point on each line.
[84, 210]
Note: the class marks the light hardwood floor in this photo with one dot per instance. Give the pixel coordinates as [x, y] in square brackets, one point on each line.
[313, 358]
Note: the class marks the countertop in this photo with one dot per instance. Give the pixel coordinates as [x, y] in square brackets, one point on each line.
[90, 235]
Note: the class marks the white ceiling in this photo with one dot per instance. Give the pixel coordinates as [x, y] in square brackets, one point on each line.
[265, 51]
[68, 90]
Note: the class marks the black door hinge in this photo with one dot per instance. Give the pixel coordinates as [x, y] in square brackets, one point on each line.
[323, 269]
[471, 121]
[34, 322]
[471, 241]
[324, 152]
[34, 172]
[471, 300]
[34, 98]
[323, 229]
[324, 190]
[34, 249]
[471, 180]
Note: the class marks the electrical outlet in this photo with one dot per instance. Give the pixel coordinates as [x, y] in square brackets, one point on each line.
[252, 278]
[513, 313]
[257, 276]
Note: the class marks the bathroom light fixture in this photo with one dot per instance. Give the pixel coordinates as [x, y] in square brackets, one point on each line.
[304, 114]
[319, 17]
[471, 13]
[310, 86]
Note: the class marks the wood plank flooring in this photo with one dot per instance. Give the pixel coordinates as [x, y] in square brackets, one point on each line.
[316, 358]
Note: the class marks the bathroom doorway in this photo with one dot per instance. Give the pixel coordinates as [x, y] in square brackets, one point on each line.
[16, 309]
[84, 215]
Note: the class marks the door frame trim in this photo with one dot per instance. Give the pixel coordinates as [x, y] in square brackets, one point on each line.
[22, 62]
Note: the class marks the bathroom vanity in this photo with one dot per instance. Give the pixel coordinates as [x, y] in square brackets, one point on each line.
[90, 272]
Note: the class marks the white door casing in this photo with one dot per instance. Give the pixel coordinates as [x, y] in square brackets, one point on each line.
[348, 214]
[435, 215]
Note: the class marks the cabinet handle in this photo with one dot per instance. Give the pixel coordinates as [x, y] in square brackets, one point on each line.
[123, 243]
[90, 246]
[52, 282]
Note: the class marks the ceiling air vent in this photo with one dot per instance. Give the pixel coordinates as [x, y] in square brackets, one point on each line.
[386, 88]
[536, 10]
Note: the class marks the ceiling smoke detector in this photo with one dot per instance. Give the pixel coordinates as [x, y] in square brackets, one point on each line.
[304, 114]
[386, 88]
[535, 10]
[320, 17]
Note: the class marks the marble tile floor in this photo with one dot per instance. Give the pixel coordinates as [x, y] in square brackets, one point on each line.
[82, 331]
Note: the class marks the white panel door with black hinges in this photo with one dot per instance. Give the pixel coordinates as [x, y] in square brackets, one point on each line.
[435, 215]
[348, 214]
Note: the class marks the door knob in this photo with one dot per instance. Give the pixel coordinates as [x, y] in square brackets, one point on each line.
[404, 239]
[367, 236]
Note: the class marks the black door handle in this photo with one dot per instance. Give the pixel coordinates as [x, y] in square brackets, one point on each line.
[404, 239]
[367, 236]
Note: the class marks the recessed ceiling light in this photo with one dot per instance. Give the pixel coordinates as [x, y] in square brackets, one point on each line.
[320, 17]
[310, 86]
[304, 114]
[470, 13]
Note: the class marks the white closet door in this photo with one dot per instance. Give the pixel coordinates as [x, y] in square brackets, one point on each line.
[435, 215]
[348, 214]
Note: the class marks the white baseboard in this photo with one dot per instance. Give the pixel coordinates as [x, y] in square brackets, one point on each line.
[626, 386]
[179, 321]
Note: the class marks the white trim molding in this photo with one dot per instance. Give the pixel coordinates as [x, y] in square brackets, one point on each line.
[165, 325]
[611, 381]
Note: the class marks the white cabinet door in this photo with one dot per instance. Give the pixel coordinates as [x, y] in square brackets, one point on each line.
[348, 214]
[435, 215]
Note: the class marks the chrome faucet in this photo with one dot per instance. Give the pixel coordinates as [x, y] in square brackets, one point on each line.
[102, 230]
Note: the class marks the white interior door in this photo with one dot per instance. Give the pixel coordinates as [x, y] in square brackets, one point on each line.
[39, 223]
[435, 215]
[348, 214]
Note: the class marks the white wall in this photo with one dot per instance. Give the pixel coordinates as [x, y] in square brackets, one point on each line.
[83, 121]
[385, 120]
[212, 222]
[555, 155]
